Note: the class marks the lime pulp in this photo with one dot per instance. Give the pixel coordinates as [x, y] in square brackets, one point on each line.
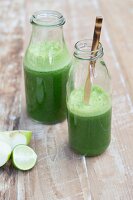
[23, 157]
[5, 152]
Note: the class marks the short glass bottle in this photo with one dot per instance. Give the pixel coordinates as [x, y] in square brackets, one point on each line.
[89, 125]
[46, 67]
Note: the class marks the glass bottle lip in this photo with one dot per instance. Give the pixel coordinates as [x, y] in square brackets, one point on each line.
[47, 18]
[83, 50]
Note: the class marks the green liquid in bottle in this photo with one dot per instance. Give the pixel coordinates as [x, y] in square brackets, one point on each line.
[46, 69]
[89, 125]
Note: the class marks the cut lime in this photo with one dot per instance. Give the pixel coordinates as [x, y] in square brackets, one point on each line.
[14, 138]
[5, 138]
[27, 134]
[5, 153]
[23, 157]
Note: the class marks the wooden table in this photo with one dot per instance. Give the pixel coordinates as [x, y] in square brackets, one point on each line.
[59, 173]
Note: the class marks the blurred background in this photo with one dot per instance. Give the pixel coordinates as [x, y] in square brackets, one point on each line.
[80, 17]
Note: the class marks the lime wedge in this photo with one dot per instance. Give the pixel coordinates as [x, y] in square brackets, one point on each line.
[16, 137]
[23, 157]
[5, 153]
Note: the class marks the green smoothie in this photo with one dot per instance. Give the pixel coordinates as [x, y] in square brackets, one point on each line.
[89, 125]
[46, 68]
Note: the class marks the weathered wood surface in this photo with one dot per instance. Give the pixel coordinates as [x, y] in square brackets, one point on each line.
[60, 174]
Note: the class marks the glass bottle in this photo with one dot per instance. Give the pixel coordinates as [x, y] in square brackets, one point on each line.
[89, 124]
[46, 66]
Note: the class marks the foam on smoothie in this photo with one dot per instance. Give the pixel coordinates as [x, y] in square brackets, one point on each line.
[99, 102]
[46, 56]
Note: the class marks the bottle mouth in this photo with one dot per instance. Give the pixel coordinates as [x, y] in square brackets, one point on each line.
[47, 18]
[83, 50]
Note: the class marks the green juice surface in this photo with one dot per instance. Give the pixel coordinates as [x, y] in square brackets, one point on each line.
[89, 125]
[46, 68]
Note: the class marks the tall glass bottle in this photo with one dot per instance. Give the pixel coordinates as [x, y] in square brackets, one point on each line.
[46, 66]
[89, 124]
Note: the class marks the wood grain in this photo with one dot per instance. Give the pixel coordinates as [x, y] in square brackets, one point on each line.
[11, 46]
[59, 173]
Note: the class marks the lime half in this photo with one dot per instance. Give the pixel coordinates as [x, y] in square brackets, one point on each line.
[5, 153]
[23, 157]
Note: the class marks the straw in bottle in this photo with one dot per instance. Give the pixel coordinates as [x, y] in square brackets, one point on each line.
[91, 66]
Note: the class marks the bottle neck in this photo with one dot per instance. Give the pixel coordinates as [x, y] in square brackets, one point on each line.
[83, 50]
[47, 25]
[41, 34]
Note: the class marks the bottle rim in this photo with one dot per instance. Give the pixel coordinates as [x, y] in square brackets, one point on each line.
[83, 50]
[47, 18]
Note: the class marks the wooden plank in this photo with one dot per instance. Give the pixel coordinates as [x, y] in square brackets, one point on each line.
[110, 174]
[11, 45]
[59, 173]
[120, 27]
